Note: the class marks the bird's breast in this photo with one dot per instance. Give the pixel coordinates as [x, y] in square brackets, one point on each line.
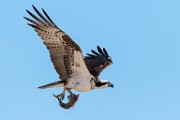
[80, 83]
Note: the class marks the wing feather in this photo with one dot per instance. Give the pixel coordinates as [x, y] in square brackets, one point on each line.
[106, 53]
[97, 62]
[100, 51]
[48, 17]
[94, 52]
[41, 16]
[63, 50]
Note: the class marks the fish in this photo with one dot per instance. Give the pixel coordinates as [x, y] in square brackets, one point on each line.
[72, 99]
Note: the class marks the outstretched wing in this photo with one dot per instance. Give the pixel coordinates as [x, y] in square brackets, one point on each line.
[65, 54]
[97, 61]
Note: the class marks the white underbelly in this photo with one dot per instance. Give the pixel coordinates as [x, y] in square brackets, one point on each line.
[79, 83]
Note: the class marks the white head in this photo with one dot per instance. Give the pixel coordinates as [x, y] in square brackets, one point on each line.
[103, 84]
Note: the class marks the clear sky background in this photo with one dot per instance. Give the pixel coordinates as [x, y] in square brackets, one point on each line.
[142, 37]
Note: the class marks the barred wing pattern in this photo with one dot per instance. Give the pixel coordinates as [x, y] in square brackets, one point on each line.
[65, 54]
[97, 62]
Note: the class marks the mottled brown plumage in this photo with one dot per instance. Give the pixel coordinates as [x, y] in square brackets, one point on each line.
[59, 44]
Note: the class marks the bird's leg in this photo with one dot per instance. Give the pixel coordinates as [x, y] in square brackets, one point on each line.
[69, 90]
[60, 96]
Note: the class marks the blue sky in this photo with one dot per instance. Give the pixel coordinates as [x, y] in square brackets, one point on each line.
[142, 37]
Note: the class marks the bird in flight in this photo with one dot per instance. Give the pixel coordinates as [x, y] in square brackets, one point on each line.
[75, 72]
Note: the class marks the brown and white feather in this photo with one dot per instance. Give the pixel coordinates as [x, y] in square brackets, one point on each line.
[65, 54]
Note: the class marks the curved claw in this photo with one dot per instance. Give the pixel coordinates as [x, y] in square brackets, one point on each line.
[56, 96]
[70, 104]
[60, 96]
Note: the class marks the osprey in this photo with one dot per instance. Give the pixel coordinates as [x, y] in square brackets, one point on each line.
[75, 72]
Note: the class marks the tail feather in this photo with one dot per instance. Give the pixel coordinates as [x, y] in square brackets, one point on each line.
[53, 84]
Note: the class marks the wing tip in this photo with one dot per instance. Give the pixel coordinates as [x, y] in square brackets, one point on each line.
[99, 52]
[105, 52]
[33, 26]
[41, 87]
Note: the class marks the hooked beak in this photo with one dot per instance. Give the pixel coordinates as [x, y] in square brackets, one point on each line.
[111, 85]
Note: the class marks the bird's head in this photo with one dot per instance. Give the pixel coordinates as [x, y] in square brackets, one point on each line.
[104, 84]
